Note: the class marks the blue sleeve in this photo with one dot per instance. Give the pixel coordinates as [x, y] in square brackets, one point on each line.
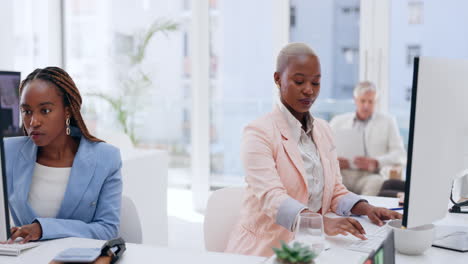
[288, 212]
[106, 221]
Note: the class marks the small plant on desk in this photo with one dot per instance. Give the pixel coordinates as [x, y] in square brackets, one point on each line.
[295, 254]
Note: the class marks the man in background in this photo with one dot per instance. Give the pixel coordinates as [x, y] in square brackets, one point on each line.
[383, 145]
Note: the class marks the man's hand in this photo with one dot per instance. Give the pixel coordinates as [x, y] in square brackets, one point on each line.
[367, 164]
[27, 232]
[344, 226]
[344, 163]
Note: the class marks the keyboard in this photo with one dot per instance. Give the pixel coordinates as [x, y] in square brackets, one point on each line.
[375, 236]
[15, 249]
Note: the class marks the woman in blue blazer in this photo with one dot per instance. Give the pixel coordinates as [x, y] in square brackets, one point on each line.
[62, 181]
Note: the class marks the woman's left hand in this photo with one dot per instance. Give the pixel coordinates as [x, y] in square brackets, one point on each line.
[27, 232]
[375, 214]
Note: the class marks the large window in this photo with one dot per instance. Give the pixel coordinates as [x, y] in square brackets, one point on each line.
[36, 35]
[427, 31]
[131, 62]
[331, 28]
[242, 51]
[151, 82]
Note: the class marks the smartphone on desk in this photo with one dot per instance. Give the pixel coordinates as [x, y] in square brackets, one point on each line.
[111, 251]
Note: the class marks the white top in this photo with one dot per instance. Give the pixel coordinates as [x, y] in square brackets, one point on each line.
[382, 140]
[47, 190]
[310, 156]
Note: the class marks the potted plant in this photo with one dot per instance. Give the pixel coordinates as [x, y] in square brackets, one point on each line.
[295, 254]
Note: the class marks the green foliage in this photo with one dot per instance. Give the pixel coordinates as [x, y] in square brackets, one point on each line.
[161, 26]
[297, 254]
[133, 78]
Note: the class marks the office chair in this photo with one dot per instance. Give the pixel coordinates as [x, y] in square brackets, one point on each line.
[130, 225]
[222, 213]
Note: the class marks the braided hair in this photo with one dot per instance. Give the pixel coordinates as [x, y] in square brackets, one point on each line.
[70, 94]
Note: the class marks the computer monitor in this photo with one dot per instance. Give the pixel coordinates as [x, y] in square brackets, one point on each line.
[9, 103]
[438, 138]
[4, 212]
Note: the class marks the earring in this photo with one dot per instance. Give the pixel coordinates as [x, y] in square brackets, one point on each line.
[67, 122]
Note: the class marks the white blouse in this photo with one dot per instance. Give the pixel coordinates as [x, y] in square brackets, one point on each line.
[310, 156]
[47, 190]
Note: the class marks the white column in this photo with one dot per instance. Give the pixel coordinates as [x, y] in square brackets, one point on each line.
[375, 47]
[54, 47]
[200, 56]
[7, 35]
[281, 25]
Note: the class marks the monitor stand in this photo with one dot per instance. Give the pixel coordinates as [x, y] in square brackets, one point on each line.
[459, 209]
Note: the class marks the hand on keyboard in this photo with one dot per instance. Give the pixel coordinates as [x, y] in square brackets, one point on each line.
[375, 214]
[375, 235]
[343, 226]
[27, 232]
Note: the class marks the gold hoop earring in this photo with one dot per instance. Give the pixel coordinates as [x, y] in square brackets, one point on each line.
[67, 122]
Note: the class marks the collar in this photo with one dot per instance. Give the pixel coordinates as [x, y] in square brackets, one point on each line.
[294, 125]
[356, 119]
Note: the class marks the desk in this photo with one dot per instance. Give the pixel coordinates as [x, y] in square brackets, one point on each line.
[338, 254]
[135, 253]
[433, 255]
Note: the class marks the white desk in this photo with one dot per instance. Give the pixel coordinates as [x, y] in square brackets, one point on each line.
[135, 253]
[150, 254]
[338, 254]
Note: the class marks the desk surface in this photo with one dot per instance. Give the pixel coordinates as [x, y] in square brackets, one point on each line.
[150, 254]
[135, 253]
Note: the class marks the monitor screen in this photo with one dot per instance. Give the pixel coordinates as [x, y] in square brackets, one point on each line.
[438, 132]
[9, 103]
[4, 212]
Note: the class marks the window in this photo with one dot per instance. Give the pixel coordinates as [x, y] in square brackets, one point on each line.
[336, 45]
[35, 30]
[106, 55]
[408, 94]
[242, 63]
[411, 52]
[292, 20]
[430, 37]
[415, 12]
[350, 54]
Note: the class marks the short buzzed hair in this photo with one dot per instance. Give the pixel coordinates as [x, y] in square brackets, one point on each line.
[364, 87]
[292, 50]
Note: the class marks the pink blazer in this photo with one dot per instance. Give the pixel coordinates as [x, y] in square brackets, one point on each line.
[274, 172]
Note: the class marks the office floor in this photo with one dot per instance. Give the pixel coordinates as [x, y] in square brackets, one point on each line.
[185, 225]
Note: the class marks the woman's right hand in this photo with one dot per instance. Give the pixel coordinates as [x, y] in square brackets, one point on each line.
[343, 226]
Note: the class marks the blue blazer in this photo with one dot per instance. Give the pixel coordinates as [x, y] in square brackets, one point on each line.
[91, 205]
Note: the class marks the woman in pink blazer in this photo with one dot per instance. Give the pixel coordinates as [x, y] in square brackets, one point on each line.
[291, 165]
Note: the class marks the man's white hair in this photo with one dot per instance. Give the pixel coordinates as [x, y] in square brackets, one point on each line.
[364, 87]
[292, 50]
